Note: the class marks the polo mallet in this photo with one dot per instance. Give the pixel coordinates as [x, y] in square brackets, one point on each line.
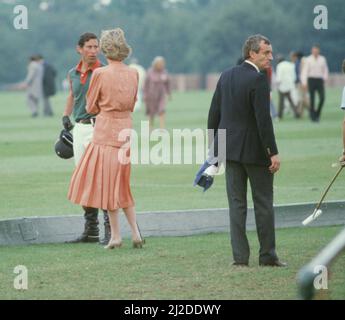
[317, 211]
[141, 237]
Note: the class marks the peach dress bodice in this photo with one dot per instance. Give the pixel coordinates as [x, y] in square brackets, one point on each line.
[112, 96]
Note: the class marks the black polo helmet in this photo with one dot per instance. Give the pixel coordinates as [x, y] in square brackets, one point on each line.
[64, 145]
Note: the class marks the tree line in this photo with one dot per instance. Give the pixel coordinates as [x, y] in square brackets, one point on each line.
[195, 36]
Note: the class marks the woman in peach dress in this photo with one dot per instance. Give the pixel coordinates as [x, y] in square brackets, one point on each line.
[102, 178]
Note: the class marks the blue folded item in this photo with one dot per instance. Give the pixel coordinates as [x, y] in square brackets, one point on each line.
[203, 180]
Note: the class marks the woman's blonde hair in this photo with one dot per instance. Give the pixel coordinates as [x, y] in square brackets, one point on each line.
[157, 60]
[114, 45]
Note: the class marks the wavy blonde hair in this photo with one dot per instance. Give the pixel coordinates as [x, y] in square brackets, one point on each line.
[158, 60]
[114, 45]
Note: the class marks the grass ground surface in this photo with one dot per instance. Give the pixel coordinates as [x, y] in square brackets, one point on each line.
[34, 181]
[195, 267]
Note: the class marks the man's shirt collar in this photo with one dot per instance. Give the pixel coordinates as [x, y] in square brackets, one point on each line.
[96, 65]
[84, 75]
[251, 63]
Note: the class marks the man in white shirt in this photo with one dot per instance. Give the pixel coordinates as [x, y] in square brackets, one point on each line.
[314, 74]
[285, 79]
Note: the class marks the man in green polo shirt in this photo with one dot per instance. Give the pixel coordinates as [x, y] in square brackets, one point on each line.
[79, 79]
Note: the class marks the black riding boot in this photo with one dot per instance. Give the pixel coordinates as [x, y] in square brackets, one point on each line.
[107, 230]
[91, 230]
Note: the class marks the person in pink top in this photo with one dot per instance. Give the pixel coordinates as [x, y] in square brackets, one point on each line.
[314, 74]
[102, 178]
[155, 91]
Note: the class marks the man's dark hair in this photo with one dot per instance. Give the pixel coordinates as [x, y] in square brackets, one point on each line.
[316, 45]
[253, 44]
[280, 58]
[85, 37]
[300, 54]
[36, 57]
[343, 66]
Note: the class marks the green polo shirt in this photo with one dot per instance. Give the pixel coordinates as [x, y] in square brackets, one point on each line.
[79, 83]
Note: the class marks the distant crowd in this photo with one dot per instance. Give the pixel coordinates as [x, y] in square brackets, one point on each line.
[297, 82]
[40, 85]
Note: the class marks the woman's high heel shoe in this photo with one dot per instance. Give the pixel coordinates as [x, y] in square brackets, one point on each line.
[113, 244]
[138, 244]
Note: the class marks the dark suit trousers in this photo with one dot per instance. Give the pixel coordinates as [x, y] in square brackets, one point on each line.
[282, 96]
[316, 85]
[261, 182]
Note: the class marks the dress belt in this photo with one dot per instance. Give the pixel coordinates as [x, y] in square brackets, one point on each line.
[115, 114]
[86, 121]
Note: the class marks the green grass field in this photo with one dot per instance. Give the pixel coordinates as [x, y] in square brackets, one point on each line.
[195, 267]
[34, 182]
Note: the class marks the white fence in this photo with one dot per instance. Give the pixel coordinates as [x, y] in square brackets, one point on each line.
[192, 82]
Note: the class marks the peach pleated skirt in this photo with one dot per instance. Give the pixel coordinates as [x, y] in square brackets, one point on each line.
[102, 179]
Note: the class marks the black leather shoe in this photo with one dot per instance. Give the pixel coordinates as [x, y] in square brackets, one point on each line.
[276, 263]
[238, 264]
[84, 239]
[104, 241]
[107, 235]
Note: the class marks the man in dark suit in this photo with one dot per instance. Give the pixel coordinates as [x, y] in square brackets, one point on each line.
[241, 106]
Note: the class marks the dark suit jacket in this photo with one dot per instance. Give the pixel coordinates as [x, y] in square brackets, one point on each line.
[241, 105]
[49, 74]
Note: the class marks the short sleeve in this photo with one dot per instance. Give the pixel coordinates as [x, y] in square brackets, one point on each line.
[93, 94]
[69, 81]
